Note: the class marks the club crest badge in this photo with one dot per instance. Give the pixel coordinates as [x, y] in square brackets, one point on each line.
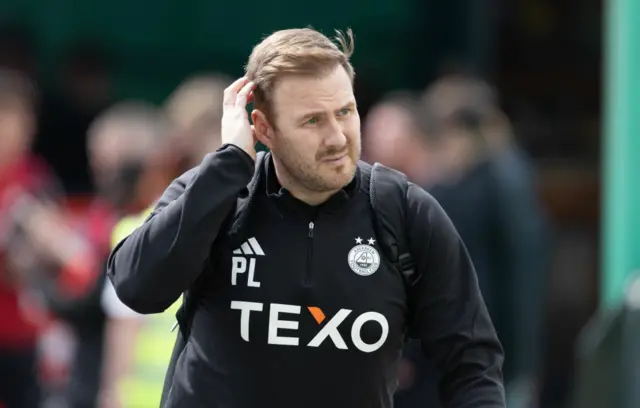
[364, 259]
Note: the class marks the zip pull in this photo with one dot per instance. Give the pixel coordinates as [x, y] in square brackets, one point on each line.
[311, 225]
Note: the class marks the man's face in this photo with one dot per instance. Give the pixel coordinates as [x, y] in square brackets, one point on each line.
[316, 130]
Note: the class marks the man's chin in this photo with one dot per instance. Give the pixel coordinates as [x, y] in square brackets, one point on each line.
[340, 176]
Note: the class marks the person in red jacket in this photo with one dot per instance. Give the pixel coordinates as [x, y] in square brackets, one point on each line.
[21, 173]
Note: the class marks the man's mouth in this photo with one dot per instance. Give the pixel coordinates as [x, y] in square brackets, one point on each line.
[335, 158]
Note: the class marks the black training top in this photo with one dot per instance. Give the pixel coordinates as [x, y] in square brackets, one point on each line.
[304, 310]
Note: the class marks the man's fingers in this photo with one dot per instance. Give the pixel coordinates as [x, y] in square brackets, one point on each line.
[243, 95]
[232, 90]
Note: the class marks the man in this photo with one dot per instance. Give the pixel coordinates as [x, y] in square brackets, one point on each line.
[285, 316]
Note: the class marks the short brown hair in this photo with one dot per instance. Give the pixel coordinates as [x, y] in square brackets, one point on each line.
[298, 51]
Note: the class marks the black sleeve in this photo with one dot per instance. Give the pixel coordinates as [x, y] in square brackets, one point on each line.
[156, 263]
[449, 316]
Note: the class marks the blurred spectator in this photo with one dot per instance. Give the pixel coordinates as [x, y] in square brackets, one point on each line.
[457, 144]
[119, 142]
[393, 137]
[517, 263]
[22, 176]
[195, 112]
[84, 91]
[134, 174]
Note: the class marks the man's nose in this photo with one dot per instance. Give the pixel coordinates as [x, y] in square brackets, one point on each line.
[335, 135]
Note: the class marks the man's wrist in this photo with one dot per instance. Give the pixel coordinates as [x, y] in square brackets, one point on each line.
[251, 152]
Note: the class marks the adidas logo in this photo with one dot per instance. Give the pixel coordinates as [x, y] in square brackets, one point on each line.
[251, 247]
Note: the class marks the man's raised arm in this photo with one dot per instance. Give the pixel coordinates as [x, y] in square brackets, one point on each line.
[165, 255]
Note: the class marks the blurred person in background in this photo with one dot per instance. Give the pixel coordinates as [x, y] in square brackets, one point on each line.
[120, 141]
[455, 142]
[124, 149]
[136, 346]
[519, 261]
[393, 137]
[465, 187]
[489, 195]
[84, 91]
[194, 111]
[21, 175]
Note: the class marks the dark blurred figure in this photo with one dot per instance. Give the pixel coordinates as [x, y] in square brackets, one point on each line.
[456, 143]
[513, 269]
[21, 174]
[84, 90]
[17, 49]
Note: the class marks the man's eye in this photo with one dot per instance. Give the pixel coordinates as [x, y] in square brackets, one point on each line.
[312, 121]
[344, 112]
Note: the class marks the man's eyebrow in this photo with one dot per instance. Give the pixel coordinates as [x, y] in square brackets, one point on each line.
[309, 115]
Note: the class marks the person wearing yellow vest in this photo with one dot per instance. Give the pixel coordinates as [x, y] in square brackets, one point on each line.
[140, 384]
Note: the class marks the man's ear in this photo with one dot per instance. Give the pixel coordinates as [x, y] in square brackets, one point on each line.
[264, 130]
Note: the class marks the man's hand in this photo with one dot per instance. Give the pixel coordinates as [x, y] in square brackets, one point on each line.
[236, 128]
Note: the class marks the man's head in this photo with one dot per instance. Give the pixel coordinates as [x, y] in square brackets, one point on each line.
[124, 142]
[461, 110]
[17, 117]
[195, 112]
[305, 109]
[389, 129]
[395, 136]
[466, 107]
